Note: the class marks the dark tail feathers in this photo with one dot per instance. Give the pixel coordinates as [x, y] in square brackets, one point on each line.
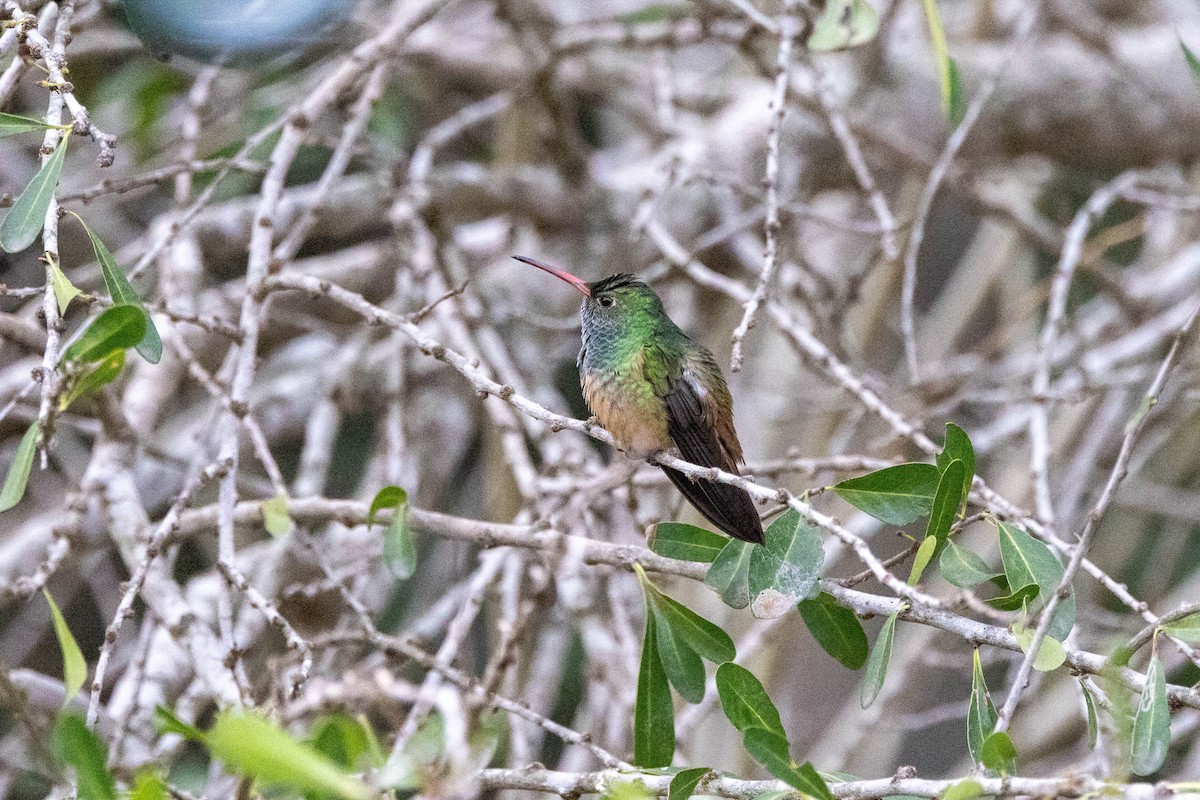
[728, 507]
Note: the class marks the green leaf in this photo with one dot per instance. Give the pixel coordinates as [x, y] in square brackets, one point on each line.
[78, 747]
[64, 290]
[344, 741]
[958, 447]
[631, 788]
[11, 125]
[947, 70]
[1019, 599]
[74, 664]
[999, 754]
[946, 502]
[897, 495]
[104, 372]
[1051, 654]
[707, 639]
[249, 744]
[151, 346]
[168, 722]
[1192, 61]
[843, 24]
[771, 750]
[483, 741]
[684, 668]
[1026, 560]
[877, 664]
[399, 551]
[18, 470]
[967, 789]
[981, 713]
[790, 559]
[686, 542]
[118, 328]
[1185, 628]
[962, 567]
[684, 783]
[958, 95]
[836, 629]
[28, 214]
[745, 701]
[422, 756]
[729, 574]
[921, 560]
[653, 713]
[1151, 723]
[275, 515]
[148, 786]
[1093, 721]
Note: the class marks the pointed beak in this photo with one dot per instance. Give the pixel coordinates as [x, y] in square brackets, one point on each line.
[578, 283]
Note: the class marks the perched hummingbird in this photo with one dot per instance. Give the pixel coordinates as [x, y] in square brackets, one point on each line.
[653, 388]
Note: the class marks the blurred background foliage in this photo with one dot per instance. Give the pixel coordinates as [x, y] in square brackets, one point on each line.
[594, 135]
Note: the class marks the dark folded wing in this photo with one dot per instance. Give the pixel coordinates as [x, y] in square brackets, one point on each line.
[728, 507]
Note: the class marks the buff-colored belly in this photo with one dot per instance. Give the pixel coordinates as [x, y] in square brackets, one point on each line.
[635, 417]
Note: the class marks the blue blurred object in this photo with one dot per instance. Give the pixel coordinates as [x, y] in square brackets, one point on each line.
[238, 32]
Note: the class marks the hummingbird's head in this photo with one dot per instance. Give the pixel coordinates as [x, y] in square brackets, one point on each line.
[615, 303]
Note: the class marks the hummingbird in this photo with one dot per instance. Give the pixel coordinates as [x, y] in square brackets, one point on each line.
[656, 390]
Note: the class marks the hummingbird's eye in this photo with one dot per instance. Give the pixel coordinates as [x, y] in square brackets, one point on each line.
[607, 301]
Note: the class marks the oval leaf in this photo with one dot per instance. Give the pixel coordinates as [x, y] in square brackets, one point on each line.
[1026, 560]
[103, 373]
[771, 750]
[275, 515]
[118, 328]
[877, 664]
[981, 713]
[11, 125]
[252, 745]
[964, 790]
[1151, 723]
[1051, 654]
[790, 559]
[653, 713]
[843, 24]
[1190, 57]
[962, 567]
[1093, 721]
[921, 560]
[745, 701]
[946, 502]
[387, 497]
[151, 346]
[684, 669]
[82, 749]
[1017, 600]
[707, 639]
[999, 754]
[1186, 628]
[74, 664]
[167, 722]
[28, 214]
[684, 782]
[399, 551]
[729, 574]
[836, 629]
[148, 786]
[686, 542]
[64, 290]
[897, 495]
[958, 447]
[18, 470]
